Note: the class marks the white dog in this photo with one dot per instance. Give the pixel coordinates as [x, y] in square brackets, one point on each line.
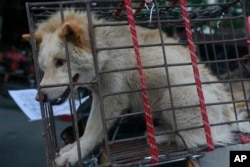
[52, 60]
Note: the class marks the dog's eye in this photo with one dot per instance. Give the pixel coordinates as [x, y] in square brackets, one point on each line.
[60, 62]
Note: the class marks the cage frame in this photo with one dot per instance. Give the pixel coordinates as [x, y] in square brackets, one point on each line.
[47, 115]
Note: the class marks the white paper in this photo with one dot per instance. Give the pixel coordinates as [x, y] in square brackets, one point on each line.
[25, 99]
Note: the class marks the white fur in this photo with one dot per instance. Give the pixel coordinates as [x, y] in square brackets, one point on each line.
[52, 47]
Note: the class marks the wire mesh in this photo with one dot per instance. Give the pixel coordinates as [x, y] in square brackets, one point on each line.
[221, 47]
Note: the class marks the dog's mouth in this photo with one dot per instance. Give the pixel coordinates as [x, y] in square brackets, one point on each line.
[75, 78]
[66, 93]
[61, 99]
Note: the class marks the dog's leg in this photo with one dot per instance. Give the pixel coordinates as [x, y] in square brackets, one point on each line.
[93, 132]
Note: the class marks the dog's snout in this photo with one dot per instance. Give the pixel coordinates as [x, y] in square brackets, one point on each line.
[40, 96]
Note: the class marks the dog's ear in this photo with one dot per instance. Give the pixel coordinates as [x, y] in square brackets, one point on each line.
[38, 37]
[76, 34]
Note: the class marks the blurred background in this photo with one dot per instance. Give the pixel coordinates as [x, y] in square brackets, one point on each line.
[21, 141]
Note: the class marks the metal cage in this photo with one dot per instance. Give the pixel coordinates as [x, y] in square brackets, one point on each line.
[220, 35]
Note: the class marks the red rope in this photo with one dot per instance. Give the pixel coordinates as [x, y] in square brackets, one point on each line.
[244, 139]
[197, 76]
[140, 7]
[173, 2]
[119, 10]
[146, 102]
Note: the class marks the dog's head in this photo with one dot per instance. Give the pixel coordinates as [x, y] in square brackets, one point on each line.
[58, 68]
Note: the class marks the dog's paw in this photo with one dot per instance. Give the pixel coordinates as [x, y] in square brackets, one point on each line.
[67, 159]
[66, 148]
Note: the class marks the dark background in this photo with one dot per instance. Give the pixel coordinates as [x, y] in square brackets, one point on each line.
[14, 20]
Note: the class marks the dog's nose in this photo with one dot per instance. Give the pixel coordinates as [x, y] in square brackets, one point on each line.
[40, 96]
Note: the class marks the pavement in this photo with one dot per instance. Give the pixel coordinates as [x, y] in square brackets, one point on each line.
[21, 141]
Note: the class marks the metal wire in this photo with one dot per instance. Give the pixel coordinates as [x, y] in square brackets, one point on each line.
[228, 41]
